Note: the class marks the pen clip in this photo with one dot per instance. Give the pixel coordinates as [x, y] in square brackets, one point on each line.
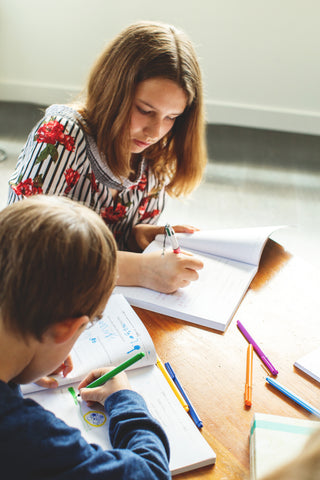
[164, 240]
[167, 229]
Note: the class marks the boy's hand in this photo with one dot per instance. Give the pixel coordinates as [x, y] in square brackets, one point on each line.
[50, 382]
[100, 394]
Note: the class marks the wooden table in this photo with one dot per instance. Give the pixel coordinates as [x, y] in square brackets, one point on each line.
[282, 312]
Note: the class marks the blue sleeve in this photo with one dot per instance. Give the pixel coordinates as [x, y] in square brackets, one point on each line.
[36, 445]
[132, 427]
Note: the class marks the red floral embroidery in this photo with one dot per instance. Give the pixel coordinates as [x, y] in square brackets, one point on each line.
[150, 214]
[94, 185]
[143, 205]
[29, 187]
[142, 183]
[72, 178]
[52, 132]
[68, 142]
[113, 215]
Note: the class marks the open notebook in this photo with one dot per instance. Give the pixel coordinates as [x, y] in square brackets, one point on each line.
[117, 336]
[275, 440]
[310, 364]
[231, 259]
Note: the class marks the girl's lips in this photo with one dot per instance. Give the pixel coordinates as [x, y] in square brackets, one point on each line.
[141, 144]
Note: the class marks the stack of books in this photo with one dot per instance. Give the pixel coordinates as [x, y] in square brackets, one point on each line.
[275, 440]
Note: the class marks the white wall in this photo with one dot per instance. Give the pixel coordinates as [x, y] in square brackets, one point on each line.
[260, 59]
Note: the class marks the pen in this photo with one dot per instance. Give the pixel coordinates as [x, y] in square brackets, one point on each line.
[248, 387]
[264, 359]
[293, 396]
[192, 411]
[102, 380]
[172, 385]
[173, 239]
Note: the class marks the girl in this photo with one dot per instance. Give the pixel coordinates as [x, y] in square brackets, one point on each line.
[137, 135]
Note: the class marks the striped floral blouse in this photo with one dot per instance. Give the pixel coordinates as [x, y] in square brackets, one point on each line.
[59, 158]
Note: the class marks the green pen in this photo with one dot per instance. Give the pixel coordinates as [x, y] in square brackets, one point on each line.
[102, 380]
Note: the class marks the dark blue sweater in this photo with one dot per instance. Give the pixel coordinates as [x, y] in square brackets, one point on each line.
[35, 444]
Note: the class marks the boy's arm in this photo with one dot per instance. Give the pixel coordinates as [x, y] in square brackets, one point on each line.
[133, 428]
[48, 448]
[139, 442]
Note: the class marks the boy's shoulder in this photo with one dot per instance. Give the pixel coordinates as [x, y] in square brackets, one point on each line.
[9, 394]
[33, 438]
[16, 410]
[22, 417]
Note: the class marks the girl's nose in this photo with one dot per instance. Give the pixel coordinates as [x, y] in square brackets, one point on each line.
[152, 130]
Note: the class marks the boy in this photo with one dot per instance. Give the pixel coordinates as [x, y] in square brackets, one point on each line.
[57, 271]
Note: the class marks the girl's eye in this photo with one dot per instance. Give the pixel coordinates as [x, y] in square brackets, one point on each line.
[142, 111]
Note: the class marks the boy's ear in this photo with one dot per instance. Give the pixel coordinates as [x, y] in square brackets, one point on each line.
[62, 331]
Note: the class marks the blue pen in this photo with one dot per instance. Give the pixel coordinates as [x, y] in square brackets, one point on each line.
[192, 412]
[293, 396]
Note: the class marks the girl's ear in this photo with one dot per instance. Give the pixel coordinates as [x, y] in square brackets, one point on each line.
[64, 330]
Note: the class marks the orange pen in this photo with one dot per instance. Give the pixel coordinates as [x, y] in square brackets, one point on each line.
[248, 387]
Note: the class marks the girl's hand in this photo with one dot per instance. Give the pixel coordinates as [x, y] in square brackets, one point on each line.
[166, 273]
[50, 382]
[143, 234]
[100, 394]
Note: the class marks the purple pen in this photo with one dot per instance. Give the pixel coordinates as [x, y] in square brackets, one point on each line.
[264, 359]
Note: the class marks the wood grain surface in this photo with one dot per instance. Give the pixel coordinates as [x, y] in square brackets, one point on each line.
[281, 310]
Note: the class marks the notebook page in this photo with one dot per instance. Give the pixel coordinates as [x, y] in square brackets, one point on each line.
[210, 301]
[240, 244]
[188, 447]
[119, 335]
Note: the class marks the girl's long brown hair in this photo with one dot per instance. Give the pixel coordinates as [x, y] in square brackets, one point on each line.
[142, 51]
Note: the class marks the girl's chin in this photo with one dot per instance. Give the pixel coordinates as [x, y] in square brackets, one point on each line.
[136, 149]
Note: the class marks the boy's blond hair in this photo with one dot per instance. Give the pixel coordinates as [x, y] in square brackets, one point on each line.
[57, 261]
[142, 51]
